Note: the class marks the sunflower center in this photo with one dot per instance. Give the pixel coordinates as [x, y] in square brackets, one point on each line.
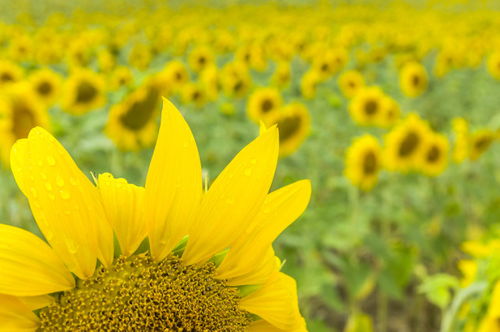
[141, 111]
[483, 143]
[44, 88]
[371, 107]
[409, 144]
[267, 105]
[138, 294]
[370, 163]
[433, 154]
[288, 127]
[86, 92]
[6, 77]
[415, 80]
[22, 118]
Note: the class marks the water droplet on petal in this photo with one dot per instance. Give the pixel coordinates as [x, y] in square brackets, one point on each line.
[248, 172]
[73, 181]
[71, 246]
[59, 181]
[51, 161]
[52, 197]
[34, 193]
[43, 175]
[48, 186]
[253, 161]
[64, 194]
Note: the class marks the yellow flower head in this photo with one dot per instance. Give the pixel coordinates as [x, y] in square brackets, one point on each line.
[83, 92]
[120, 77]
[367, 106]
[479, 142]
[9, 73]
[193, 94]
[20, 111]
[263, 103]
[46, 85]
[294, 124]
[210, 244]
[494, 65]
[132, 123]
[461, 132]
[434, 156]
[405, 143]
[413, 79]
[363, 162]
[309, 83]
[201, 58]
[351, 82]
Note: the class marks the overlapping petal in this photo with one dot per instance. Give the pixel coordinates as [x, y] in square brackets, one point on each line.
[234, 198]
[29, 266]
[123, 206]
[276, 302]
[64, 202]
[280, 209]
[15, 316]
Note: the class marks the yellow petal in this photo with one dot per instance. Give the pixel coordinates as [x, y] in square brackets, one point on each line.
[15, 316]
[280, 209]
[276, 302]
[173, 184]
[123, 206]
[263, 326]
[29, 267]
[64, 202]
[37, 302]
[266, 265]
[234, 198]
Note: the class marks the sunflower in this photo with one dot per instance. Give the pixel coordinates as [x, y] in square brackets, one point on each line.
[262, 103]
[120, 77]
[351, 82]
[235, 79]
[479, 142]
[363, 162]
[309, 83]
[20, 111]
[405, 143]
[9, 73]
[45, 84]
[391, 112]
[174, 74]
[494, 65]
[201, 58]
[434, 156]
[294, 124]
[461, 132]
[367, 106]
[140, 56]
[282, 75]
[132, 123]
[193, 93]
[205, 248]
[413, 79]
[84, 91]
[209, 79]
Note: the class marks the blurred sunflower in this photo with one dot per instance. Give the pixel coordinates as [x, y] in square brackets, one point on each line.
[351, 82]
[209, 79]
[434, 156]
[309, 83]
[209, 244]
[46, 85]
[282, 75]
[479, 142]
[175, 74]
[201, 58]
[235, 79]
[405, 143]
[120, 77]
[83, 91]
[9, 73]
[294, 124]
[132, 123]
[193, 93]
[20, 111]
[367, 106]
[262, 103]
[391, 112]
[413, 79]
[363, 162]
[140, 56]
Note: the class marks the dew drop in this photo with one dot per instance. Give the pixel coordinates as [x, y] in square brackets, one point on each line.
[64, 194]
[253, 161]
[51, 161]
[248, 172]
[34, 193]
[43, 175]
[73, 181]
[48, 186]
[59, 181]
[52, 197]
[71, 246]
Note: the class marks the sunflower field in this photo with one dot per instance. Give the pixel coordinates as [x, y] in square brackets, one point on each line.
[260, 166]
